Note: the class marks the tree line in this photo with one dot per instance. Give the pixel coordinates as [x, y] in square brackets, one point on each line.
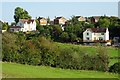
[42, 51]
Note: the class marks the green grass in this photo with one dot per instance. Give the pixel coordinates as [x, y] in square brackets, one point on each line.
[13, 70]
[112, 61]
[112, 52]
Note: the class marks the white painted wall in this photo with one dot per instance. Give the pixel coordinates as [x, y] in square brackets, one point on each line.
[107, 34]
[15, 29]
[85, 35]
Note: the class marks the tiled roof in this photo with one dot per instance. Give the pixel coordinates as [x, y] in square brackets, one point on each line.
[15, 27]
[78, 16]
[97, 30]
[26, 20]
[96, 17]
[59, 17]
[41, 18]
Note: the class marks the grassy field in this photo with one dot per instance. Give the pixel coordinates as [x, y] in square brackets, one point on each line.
[13, 70]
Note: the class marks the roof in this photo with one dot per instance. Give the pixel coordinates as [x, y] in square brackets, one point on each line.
[41, 18]
[26, 20]
[78, 16]
[98, 30]
[15, 27]
[96, 17]
[59, 17]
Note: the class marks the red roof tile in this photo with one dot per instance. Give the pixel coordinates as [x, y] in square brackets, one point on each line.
[26, 20]
[15, 27]
[98, 30]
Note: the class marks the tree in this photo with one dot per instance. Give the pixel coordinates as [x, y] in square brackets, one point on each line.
[5, 26]
[57, 30]
[73, 37]
[104, 22]
[13, 24]
[20, 13]
[64, 37]
[48, 20]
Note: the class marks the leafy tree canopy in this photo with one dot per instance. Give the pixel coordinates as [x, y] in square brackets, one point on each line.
[20, 13]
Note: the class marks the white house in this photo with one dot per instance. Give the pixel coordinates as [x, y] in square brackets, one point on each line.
[24, 25]
[96, 35]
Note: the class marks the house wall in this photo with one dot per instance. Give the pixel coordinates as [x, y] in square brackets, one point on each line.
[62, 21]
[15, 29]
[107, 35]
[33, 26]
[20, 23]
[81, 19]
[85, 36]
[25, 28]
[43, 22]
[97, 36]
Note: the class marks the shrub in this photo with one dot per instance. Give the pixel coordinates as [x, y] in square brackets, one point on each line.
[115, 68]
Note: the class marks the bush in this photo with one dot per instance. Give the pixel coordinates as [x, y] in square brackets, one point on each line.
[115, 68]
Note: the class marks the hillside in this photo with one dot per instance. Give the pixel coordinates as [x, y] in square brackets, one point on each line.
[112, 52]
[13, 70]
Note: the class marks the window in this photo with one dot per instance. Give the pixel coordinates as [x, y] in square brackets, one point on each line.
[102, 33]
[100, 38]
[12, 30]
[94, 38]
[20, 24]
[87, 33]
[88, 38]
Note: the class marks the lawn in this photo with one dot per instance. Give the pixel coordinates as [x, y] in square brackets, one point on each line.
[13, 70]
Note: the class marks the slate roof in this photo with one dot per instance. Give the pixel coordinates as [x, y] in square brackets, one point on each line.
[98, 30]
[15, 27]
[26, 20]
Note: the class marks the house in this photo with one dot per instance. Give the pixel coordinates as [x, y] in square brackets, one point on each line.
[60, 20]
[94, 19]
[24, 25]
[116, 41]
[80, 18]
[93, 35]
[42, 21]
[51, 22]
[15, 28]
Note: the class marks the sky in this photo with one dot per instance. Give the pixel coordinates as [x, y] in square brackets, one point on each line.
[52, 9]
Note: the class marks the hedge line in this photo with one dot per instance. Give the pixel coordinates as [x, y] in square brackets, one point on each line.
[41, 51]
